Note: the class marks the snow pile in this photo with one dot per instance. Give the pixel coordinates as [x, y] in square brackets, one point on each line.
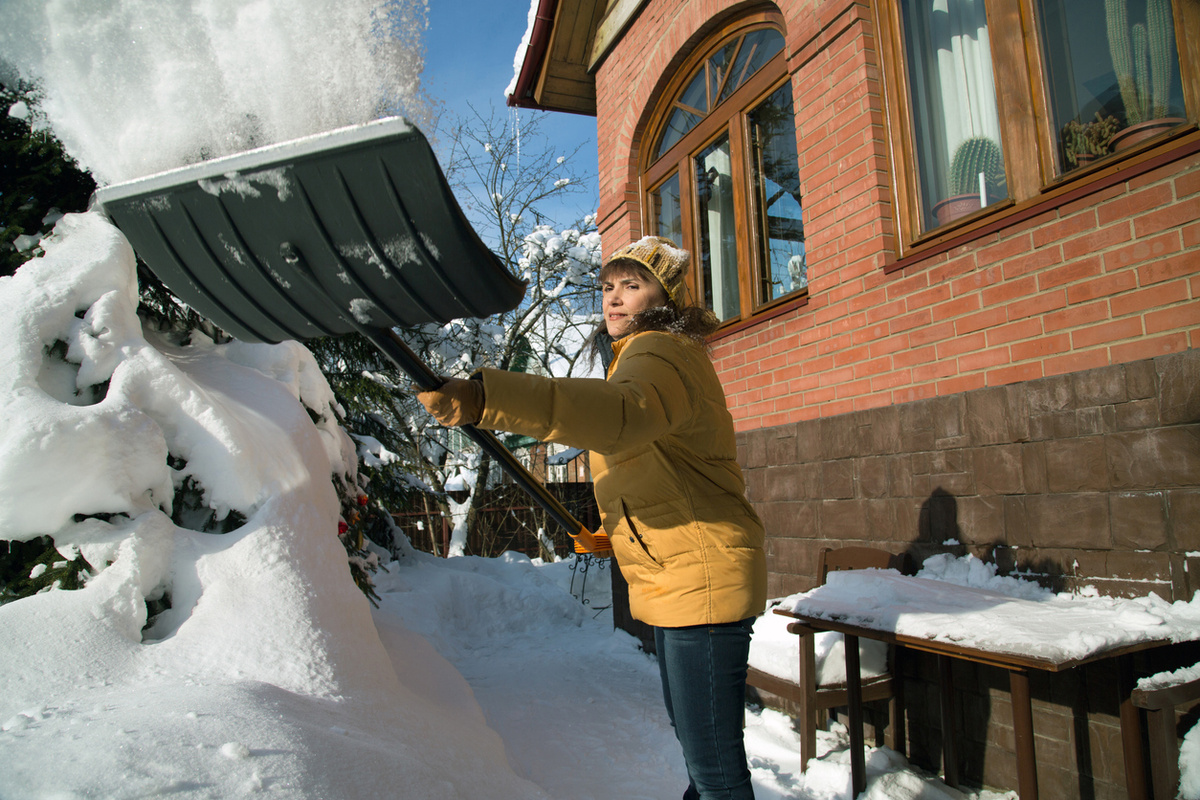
[522, 48]
[1189, 765]
[267, 670]
[776, 652]
[135, 87]
[1165, 680]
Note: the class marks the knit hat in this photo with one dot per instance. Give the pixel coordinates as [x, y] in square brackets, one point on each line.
[662, 257]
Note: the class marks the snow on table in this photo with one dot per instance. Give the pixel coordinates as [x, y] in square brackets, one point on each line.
[1042, 625]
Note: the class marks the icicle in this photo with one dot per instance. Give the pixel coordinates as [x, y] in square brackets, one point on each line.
[516, 127]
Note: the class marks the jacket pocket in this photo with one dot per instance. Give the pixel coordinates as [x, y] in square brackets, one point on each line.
[628, 542]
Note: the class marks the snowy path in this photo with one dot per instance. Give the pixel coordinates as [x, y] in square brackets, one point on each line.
[578, 705]
[582, 719]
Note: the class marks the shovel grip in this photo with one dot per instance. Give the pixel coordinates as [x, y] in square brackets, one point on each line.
[596, 544]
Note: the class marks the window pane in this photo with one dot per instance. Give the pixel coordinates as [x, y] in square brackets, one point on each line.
[953, 96]
[718, 242]
[680, 123]
[682, 120]
[695, 95]
[748, 54]
[778, 212]
[718, 65]
[668, 221]
[1109, 69]
[758, 48]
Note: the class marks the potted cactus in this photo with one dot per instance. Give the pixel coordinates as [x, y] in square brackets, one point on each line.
[1143, 61]
[1084, 142]
[976, 157]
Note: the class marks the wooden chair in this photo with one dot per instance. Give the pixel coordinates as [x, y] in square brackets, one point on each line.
[807, 698]
[1160, 705]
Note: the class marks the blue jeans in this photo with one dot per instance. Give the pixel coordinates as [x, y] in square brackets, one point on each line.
[703, 670]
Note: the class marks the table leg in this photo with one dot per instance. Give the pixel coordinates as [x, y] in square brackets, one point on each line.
[858, 767]
[1131, 732]
[1022, 712]
[949, 721]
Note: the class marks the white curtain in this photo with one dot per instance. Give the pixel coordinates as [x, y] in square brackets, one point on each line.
[962, 70]
[953, 90]
[721, 243]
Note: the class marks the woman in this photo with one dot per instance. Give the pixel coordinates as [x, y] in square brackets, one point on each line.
[670, 491]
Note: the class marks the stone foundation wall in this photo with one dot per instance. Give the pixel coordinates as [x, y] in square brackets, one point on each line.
[1084, 479]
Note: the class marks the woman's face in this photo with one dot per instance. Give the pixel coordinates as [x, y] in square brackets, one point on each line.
[625, 293]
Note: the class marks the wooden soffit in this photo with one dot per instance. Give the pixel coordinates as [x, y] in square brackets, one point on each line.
[569, 40]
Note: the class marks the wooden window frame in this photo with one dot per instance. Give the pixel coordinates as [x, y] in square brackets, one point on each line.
[731, 118]
[1027, 125]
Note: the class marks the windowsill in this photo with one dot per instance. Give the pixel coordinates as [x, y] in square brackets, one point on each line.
[1065, 189]
[765, 315]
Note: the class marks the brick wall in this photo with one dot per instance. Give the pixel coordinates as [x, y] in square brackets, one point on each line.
[1030, 391]
[1107, 277]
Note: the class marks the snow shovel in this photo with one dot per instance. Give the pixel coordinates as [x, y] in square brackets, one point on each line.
[352, 230]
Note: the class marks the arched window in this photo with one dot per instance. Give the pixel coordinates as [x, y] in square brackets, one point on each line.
[722, 176]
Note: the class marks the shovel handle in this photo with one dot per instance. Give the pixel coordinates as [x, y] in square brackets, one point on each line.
[388, 342]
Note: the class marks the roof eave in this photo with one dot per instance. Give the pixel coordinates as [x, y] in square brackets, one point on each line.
[535, 56]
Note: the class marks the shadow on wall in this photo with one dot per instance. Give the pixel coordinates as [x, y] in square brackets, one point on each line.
[938, 520]
[939, 532]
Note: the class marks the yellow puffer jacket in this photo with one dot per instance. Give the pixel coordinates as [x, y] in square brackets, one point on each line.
[667, 481]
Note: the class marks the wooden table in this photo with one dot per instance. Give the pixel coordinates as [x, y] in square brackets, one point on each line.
[939, 597]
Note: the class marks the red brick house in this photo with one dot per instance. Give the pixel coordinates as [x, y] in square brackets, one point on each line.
[956, 252]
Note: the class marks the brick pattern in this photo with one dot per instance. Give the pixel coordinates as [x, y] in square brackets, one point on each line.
[1072, 290]
[1107, 279]
[1110, 278]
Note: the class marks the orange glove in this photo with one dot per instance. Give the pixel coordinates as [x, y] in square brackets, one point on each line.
[596, 544]
[456, 402]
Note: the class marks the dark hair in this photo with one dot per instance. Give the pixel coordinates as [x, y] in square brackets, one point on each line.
[690, 321]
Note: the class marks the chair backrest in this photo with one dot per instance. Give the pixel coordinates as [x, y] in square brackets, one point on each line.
[832, 560]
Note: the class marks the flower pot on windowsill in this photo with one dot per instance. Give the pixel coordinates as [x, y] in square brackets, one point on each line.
[960, 205]
[1136, 134]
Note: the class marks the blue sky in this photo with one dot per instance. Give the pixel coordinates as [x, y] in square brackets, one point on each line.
[469, 50]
